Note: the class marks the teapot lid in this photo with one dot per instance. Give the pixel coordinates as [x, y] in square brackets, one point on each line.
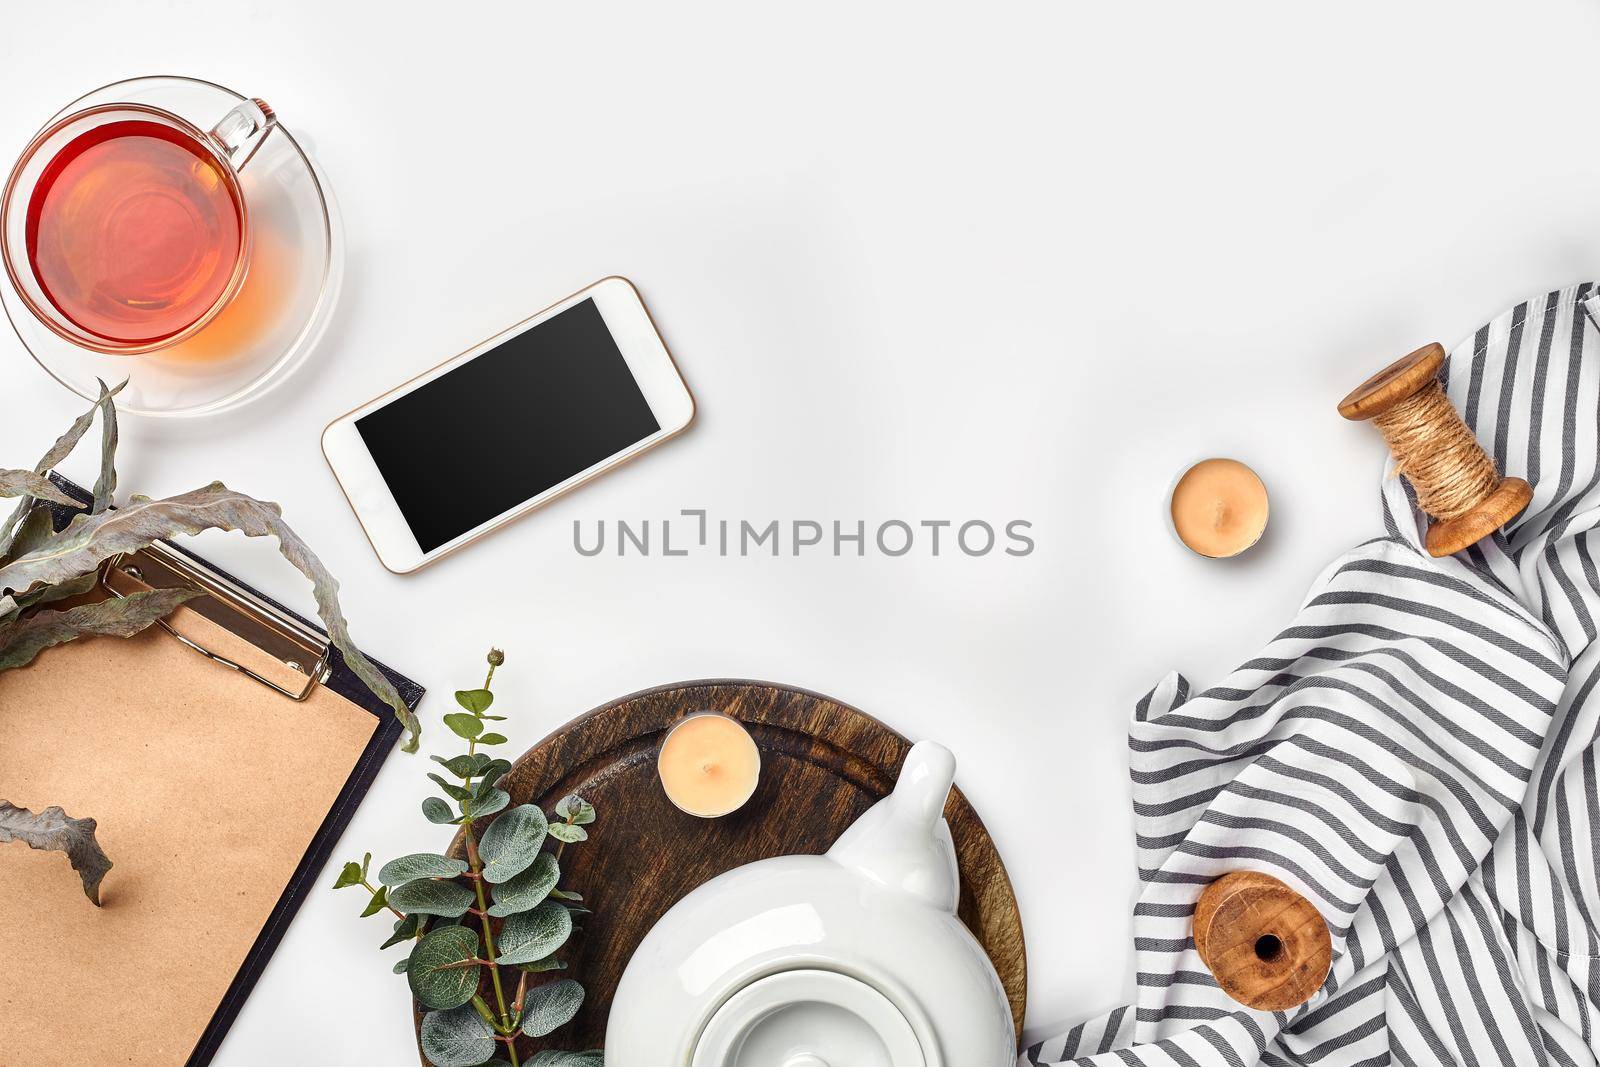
[809, 1018]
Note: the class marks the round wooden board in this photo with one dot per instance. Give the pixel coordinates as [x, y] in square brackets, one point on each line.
[823, 764]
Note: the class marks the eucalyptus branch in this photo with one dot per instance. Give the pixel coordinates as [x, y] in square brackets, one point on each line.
[475, 865]
[508, 882]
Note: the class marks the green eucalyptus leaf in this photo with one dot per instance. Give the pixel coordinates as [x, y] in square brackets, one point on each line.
[532, 935]
[350, 874]
[91, 539]
[419, 865]
[563, 894]
[404, 930]
[471, 763]
[452, 790]
[53, 830]
[456, 1038]
[438, 811]
[402, 965]
[552, 1058]
[23, 638]
[379, 901]
[366, 862]
[549, 963]
[492, 801]
[568, 832]
[491, 739]
[495, 769]
[463, 725]
[428, 897]
[476, 701]
[466, 765]
[440, 974]
[528, 889]
[576, 809]
[512, 842]
[550, 1006]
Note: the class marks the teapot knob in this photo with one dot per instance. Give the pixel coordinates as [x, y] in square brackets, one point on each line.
[902, 841]
[925, 781]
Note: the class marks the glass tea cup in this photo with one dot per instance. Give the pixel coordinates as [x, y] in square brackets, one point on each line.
[124, 228]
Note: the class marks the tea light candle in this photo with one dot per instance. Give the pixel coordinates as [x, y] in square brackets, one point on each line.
[1219, 507]
[709, 765]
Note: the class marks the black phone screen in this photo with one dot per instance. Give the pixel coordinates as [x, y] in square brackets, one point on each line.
[506, 425]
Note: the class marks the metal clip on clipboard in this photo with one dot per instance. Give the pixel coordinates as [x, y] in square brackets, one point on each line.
[302, 650]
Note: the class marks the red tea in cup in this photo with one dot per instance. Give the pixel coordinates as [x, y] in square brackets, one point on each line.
[124, 227]
[134, 231]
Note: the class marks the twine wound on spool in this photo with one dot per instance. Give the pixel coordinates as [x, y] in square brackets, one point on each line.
[1266, 945]
[1456, 481]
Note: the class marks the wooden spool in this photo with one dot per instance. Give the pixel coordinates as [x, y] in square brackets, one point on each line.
[1266, 945]
[1401, 379]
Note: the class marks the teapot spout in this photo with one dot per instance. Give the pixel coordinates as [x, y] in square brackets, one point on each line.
[903, 842]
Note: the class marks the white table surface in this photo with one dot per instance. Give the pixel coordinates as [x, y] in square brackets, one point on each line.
[917, 262]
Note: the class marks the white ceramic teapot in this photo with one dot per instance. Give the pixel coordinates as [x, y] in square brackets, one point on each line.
[850, 959]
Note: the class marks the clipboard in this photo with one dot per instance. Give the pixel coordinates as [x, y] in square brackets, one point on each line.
[222, 754]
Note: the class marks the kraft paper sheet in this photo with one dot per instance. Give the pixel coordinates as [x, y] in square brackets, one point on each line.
[208, 788]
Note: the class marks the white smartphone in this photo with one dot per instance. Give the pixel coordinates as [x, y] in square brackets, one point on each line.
[510, 424]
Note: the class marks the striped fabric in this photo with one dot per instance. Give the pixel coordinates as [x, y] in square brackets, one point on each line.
[1416, 754]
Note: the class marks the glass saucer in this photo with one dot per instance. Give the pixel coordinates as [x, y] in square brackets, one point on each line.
[296, 265]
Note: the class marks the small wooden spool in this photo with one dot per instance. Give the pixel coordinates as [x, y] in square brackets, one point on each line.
[1381, 393]
[1266, 945]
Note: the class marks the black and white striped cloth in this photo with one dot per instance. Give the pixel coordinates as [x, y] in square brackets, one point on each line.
[1416, 754]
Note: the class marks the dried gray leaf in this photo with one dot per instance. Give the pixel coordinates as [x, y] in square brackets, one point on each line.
[36, 531]
[90, 539]
[27, 483]
[24, 638]
[54, 830]
[53, 457]
[49, 594]
[106, 484]
[80, 426]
